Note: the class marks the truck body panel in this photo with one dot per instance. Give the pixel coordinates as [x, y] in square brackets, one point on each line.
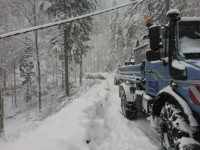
[157, 77]
[190, 89]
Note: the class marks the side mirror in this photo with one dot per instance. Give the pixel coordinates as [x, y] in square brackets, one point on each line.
[155, 37]
[178, 71]
[152, 55]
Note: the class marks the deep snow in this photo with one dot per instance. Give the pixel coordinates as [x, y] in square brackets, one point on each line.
[92, 121]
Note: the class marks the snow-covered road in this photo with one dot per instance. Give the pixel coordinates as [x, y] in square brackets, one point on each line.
[91, 122]
[121, 133]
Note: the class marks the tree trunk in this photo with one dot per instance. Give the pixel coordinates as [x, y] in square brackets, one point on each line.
[75, 70]
[63, 75]
[1, 105]
[12, 90]
[1, 113]
[4, 77]
[15, 88]
[66, 49]
[56, 69]
[81, 68]
[27, 89]
[54, 83]
[38, 67]
[38, 57]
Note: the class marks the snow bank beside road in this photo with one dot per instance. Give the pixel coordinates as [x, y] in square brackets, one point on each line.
[68, 129]
[92, 121]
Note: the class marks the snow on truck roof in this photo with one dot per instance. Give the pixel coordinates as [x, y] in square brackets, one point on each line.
[176, 11]
[190, 19]
[173, 11]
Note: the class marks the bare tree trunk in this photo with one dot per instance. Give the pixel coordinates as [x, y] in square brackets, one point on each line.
[12, 93]
[38, 57]
[102, 65]
[53, 73]
[15, 88]
[56, 69]
[75, 70]
[66, 48]
[81, 67]
[4, 77]
[63, 76]
[27, 90]
[1, 114]
[38, 67]
[1, 106]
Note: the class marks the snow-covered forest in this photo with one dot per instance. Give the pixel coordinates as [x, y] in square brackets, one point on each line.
[39, 78]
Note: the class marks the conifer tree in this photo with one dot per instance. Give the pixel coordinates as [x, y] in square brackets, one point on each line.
[77, 32]
[116, 41]
[26, 70]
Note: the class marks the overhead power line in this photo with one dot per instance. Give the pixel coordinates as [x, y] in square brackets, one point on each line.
[17, 32]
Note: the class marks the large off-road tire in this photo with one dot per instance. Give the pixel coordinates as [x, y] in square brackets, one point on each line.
[170, 120]
[128, 108]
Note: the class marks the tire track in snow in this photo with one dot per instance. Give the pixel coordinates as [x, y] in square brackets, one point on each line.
[111, 131]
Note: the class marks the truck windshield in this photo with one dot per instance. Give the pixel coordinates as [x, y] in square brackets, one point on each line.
[189, 39]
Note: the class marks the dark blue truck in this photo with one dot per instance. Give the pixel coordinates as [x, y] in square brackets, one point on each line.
[166, 82]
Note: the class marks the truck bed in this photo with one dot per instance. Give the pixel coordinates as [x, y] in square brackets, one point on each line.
[134, 72]
[130, 73]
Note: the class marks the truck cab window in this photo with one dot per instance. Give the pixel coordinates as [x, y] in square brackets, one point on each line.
[189, 39]
[164, 51]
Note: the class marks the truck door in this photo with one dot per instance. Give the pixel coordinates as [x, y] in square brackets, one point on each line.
[151, 82]
[157, 71]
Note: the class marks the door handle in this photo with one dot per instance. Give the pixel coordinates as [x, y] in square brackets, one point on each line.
[150, 71]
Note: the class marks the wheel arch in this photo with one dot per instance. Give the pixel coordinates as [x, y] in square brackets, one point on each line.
[159, 102]
[127, 88]
[178, 101]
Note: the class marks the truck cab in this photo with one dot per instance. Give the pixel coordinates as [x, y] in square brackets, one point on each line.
[177, 60]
